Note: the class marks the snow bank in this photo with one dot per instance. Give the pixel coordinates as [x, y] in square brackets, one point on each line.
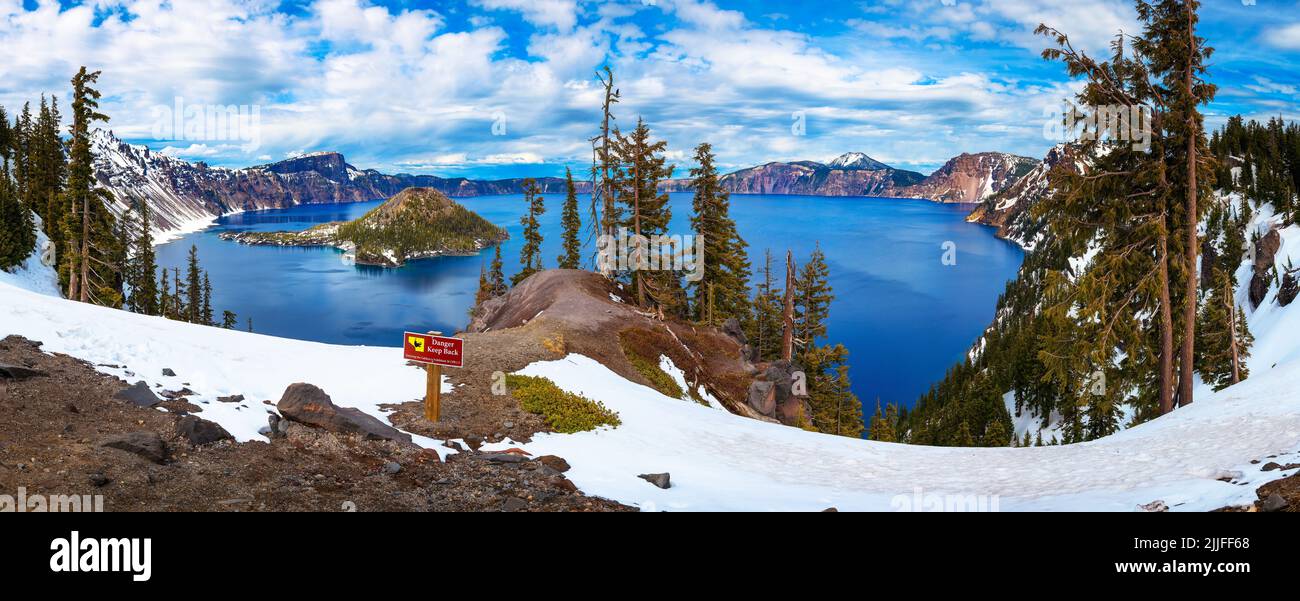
[33, 275]
[213, 362]
[723, 462]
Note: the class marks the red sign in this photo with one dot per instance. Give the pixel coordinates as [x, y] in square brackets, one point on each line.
[434, 350]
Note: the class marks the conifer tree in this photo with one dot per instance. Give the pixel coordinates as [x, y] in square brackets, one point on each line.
[882, 429]
[604, 169]
[229, 320]
[530, 256]
[645, 213]
[497, 278]
[572, 222]
[723, 290]
[142, 264]
[164, 297]
[765, 328]
[88, 226]
[1224, 337]
[193, 287]
[484, 291]
[205, 316]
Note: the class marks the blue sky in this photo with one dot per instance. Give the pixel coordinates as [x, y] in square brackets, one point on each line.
[505, 88]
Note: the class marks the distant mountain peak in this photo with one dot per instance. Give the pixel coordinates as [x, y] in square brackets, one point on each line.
[854, 161]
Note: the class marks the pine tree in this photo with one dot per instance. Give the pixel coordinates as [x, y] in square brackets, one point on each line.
[996, 435]
[1224, 339]
[530, 256]
[164, 297]
[206, 316]
[646, 214]
[88, 228]
[813, 296]
[604, 168]
[765, 327]
[723, 290]
[142, 264]
[882, 429]
[229, 320]
[484, 291]
[193, 287]
[569, 218]
[497, 278]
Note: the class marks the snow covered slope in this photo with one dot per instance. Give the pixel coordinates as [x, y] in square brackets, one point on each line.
[211, 361]
[34, 275]
[722, 462]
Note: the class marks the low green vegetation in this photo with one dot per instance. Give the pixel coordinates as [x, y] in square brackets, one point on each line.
[564, 411]
[658, 378]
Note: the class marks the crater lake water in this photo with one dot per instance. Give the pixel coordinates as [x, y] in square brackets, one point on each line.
[904, 315]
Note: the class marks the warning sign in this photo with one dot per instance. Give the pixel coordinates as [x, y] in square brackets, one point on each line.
[434, 350]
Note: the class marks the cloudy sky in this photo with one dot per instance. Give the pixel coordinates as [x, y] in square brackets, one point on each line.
[503, 88]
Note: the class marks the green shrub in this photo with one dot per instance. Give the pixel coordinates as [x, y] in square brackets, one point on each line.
[658, 378]
[564, 411]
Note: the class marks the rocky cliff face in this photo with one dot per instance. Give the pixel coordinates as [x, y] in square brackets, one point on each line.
[972, 178]
[1009, 209]
[181, 193]
[853, 174]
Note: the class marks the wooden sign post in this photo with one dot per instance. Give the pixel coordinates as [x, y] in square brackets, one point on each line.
[435, 352]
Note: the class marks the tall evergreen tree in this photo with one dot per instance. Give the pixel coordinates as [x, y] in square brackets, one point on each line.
[142, 264]
[496, 277]
[1224, 337]
[572, 222]
[765, 327]
[645, 213]
[530, 256]
[88, 226]
[193, 287]
[206, 315]
[723, 290]
[604, 169]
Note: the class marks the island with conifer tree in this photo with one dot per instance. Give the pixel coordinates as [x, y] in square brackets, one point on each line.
[417, 223]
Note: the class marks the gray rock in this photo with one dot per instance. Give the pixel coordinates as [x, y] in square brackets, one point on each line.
[99, 480]
[18, 372]
[1156, 506]
[762, 397]
[139, 394]
[1275, 502]
[307, 404]
[200, 432]
[168, 373]
[663, 481]
[732, 328]
[392, 468]
[145, 444]
[504, 458]
[238, 398]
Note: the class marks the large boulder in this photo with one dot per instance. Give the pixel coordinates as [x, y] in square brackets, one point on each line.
[307, 404]
[732, 328]
[762, 397]
[200, 432]
[139, 394]
[145, 444]
[18, 372]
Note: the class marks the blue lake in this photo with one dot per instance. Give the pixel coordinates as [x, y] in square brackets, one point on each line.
[904, 315]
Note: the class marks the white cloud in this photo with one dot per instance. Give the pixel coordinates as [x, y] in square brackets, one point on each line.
[560, 14]
[1286, 37]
